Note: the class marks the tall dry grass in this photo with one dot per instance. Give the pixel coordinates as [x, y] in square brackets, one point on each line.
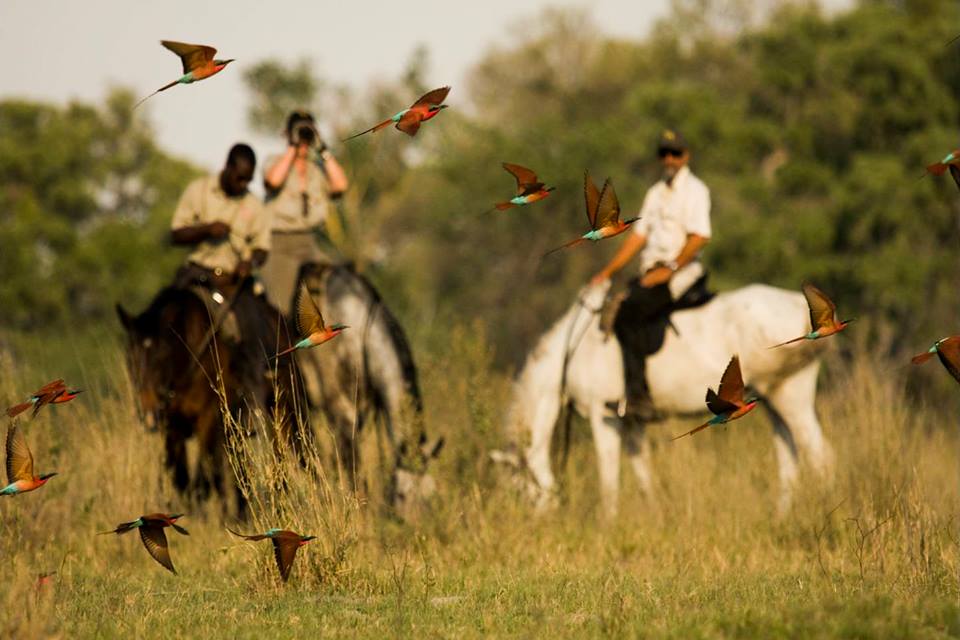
[874, 553]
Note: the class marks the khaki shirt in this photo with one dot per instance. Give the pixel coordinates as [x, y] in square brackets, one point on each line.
[286, 206]
[204, 202]
[669, 214]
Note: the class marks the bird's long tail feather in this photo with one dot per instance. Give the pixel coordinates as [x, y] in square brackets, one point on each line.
[285, 352]
[503, 206]
[123, 527]
[163, 88]
[17, 409]
[375, 127]
[572, 243]
[692, 431]
[922, 357]
[783, 344]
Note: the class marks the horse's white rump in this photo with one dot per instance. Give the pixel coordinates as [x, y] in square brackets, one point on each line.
[745, 322]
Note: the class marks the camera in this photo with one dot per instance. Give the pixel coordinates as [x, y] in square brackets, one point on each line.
[305, 133]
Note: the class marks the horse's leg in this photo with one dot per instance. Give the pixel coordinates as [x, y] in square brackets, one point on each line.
[795, 400]
[209, 430]
[176, 461]
[638, 451]
[606, 440]
[786, 450]
[538, 453]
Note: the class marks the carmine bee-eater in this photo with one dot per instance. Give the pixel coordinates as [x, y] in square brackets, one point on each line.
[952, 162]
[20, 466]
[603, 214]
[55, 392]
[529, 189]
[409, 120]
[198, 64]
[823, 316]
[151, 533]
[728, 403]
[285, 546]
[310, 324]
[948, 350]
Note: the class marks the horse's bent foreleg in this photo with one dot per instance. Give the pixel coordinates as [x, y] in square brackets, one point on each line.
[175, 443]
[210, 461]
[794, 399]
[638, 451]
[606, 440]
[538, 453]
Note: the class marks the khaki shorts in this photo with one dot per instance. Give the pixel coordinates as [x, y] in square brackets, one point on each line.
[289, 252]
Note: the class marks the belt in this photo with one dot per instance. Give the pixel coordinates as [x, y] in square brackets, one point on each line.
[297, 232]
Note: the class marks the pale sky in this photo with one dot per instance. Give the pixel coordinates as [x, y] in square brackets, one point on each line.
[56, 51]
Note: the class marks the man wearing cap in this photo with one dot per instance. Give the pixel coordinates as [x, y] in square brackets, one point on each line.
[674, 227]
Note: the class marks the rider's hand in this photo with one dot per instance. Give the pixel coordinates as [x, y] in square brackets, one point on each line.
[243, 269]
[656, 276]
[218, 230]
[599, 278]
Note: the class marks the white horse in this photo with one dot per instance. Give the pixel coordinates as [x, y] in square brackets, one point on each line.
[696, 350]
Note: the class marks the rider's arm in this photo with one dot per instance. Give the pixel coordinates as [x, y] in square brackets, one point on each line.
[276, 175]
[187, 226]
[630, 247]
[695, 243]
[337, 181]
[199, 233]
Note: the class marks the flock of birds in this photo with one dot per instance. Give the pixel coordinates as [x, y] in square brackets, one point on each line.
[728, 403]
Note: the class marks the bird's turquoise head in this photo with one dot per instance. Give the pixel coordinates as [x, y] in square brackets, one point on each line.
[47, 476]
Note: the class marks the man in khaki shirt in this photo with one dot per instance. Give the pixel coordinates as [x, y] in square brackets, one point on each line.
[228, 231]
[300, 185]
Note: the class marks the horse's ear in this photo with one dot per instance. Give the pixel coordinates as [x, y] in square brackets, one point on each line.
[125, 318]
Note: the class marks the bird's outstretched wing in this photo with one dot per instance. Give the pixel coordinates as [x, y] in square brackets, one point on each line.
[949, 353]
[432, 98]
[19, 458]
[409, 122]
[155, 541]
[731, 383]
[193, 56]
[823, 313]
[955, 174]
[525, 177]
[608, 210]
[309, 318]
[717, 405]
[591, 196]
[285, 550]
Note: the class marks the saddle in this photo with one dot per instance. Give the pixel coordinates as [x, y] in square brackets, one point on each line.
[697, 295]
[214, 301]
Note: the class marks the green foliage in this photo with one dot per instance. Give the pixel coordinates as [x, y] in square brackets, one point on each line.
[85, 201]
[276, 91]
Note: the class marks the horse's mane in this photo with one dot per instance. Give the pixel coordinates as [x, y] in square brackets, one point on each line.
[395, 331]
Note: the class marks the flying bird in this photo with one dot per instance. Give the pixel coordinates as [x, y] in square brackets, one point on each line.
[529, 188]
[310, 324]
[285, 546]
[728, 403]
[55, 392]
[603, 214]
[409, 120]
[823, 316]
[952, 162]
[948, 350]
[20, 466]
[198, 64]
[151, 534]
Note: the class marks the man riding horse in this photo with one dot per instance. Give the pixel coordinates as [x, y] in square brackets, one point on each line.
[674, 227]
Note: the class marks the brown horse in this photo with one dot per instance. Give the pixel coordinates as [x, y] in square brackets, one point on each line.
[184, 381]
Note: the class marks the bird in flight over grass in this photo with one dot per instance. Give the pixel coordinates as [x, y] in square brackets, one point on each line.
[198, 64]
[950, 161]
[55, 392]
[20, 466]
[823, 316]
[310, 324]
[151, 534]
[603, 214]
[285, 546]
[409, 120]
[728, 403]
[948, 350]
[529, 188]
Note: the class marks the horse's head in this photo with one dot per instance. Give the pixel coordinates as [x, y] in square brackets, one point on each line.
[413, 486]
[146, 360]
[521, 479]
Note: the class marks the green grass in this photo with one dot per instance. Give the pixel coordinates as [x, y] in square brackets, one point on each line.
[873, 554]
